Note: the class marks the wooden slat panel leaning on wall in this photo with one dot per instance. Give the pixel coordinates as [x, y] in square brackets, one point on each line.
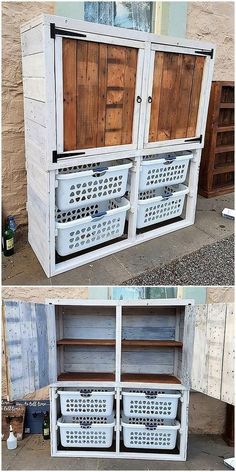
[213, 356]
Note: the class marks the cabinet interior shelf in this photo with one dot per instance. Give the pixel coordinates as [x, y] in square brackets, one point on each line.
[87, 376]
[110, 377]
[151, 343]
[152, 378]
[125, 342]
[86, 342]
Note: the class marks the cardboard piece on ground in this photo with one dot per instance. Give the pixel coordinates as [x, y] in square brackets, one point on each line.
[13, 413]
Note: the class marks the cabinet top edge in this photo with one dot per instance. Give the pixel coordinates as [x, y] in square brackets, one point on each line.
[86, 26]
[99, 302]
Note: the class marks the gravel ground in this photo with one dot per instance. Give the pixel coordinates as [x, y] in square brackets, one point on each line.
[210, 265]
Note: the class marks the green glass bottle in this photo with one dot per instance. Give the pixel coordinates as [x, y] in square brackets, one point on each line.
[8, 242]
[46, 426]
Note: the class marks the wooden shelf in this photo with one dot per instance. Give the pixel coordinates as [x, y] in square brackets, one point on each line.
[87, 376]
[224, 148]
[151, 343]
[222, 129]
[223, 169]
[86, 342]
[227, 105]
[150, 378]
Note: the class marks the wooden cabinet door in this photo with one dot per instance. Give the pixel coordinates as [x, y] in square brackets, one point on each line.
[178, 86]
[97, 85]
[30, 347]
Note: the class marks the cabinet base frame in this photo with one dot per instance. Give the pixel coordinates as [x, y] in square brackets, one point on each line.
[181, 456]
[52, 268]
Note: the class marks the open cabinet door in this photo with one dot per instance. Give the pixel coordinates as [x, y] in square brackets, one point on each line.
[213, 353]
[30, 344]
[179, 87]
[98, 82]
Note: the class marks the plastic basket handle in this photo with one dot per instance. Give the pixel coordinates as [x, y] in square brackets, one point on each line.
[150, 426]
[169, 159]
[150, 395]
[86, 424]
[167, 195]
[99, 215]
[99, 171]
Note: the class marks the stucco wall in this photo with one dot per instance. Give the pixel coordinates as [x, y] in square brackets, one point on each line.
[13, 161]
[214, 22]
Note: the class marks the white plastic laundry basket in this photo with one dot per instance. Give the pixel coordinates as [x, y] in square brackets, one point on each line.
[145, 433]
[164, 169]
[91, 185]
[89, 226]
[82, 431]
[87, 401]
[155, 206]
[150, 403]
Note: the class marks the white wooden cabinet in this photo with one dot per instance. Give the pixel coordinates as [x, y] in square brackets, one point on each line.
[95, 94]
[145, 344]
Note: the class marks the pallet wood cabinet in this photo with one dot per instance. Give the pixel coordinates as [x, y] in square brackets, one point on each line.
[217, 164]
[138, 344]
[94, 94]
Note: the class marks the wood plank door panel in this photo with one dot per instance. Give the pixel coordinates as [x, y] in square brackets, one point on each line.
[99, 87]
[175, 96]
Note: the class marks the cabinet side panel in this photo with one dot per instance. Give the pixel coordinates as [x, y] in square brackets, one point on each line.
[34, 88]
[38, 214]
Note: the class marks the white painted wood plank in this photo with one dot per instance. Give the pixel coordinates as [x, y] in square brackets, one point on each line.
[32, 40]
[188, 340]
[34, 154]
[35, 111]
[34, 65]
[215, 340]
[227, 381]
[51, 334]
[34, 88]
[35, 133]
[199, 375]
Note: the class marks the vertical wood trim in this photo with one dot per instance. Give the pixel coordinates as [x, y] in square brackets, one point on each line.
[102, 95]
[177, 334]
[62, 110]
[156, 95]
[227, 384]
[69, 58]
[51, 334]
[118, 342]
[195, 96]
[215, 340]
[188, 340]
[200, 359]
[61, 335]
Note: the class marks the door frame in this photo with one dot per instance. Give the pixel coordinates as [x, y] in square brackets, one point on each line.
[98, 38]
[204, 94]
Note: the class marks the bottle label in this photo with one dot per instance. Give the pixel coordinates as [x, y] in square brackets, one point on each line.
[9, 244]
[46, 431]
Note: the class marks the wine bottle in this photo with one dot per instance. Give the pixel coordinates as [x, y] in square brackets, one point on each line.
[46, 426]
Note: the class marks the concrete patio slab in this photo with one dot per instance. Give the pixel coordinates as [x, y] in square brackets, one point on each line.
[205, 452]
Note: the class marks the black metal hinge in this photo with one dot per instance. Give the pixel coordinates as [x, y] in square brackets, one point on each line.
[194, 140]
[56, 156]
[206, 53]
[54, 31]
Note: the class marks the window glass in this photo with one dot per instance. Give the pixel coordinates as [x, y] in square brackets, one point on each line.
[133, 15]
